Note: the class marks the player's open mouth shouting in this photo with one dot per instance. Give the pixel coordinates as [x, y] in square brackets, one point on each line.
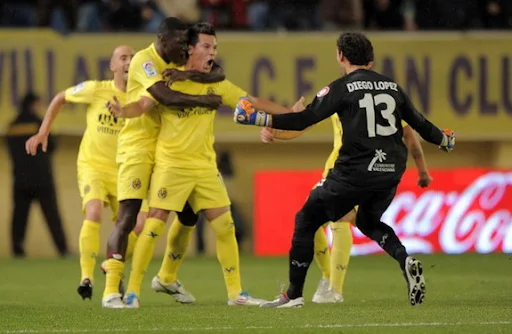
[208, 65]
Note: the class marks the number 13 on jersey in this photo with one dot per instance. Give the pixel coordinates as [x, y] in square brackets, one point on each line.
[369, 102]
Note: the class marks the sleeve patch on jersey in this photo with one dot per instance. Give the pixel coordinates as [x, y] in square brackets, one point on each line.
[78, 88]
[149, 68]
[322, 92]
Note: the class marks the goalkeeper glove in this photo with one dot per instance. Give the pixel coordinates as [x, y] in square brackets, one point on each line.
[246, 114]
[448, 142]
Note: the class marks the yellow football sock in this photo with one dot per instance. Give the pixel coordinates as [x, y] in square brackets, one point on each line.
[227, 253]
[143, 252]
[340, 255]
[114, 275]
[89, 244]
[132, 240]
[322, 256]
[178, 238]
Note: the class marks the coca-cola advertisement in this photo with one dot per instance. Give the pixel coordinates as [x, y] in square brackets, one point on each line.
[463, 210]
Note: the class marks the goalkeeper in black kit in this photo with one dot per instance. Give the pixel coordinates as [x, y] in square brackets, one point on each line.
[369, 167]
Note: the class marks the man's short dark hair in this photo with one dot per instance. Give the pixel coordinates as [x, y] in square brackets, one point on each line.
[356, 47]
[200, 28]
[169, 26]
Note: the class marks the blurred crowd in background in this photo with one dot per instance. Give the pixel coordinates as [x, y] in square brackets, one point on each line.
[259, 15]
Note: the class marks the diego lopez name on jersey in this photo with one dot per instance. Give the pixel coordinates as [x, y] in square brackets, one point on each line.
[369, 85]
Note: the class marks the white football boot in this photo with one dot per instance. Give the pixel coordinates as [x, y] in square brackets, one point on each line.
[321, 290]
[330, 296]
[131, 300]
[415, 281]
[284, 302]
[113, 301]
[175, 289]
[244, 299]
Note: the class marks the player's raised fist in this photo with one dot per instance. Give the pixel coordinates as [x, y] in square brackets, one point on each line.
[449, 144]
[246, 114]
[424, 180]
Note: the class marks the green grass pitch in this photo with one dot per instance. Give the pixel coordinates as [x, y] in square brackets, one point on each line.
[465, 294]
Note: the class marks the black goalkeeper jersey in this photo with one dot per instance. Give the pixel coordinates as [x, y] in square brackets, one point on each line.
[371, 108]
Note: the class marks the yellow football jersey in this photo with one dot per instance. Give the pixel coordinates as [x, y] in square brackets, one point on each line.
[137, 138]
[338, 132]
[186, 138]
[99, 142]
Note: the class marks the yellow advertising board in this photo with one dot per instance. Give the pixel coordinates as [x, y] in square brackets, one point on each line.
[461, 81]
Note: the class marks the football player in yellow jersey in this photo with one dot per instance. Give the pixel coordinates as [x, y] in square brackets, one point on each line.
[186, 169]
[149, 95]
[334, 266]
[96, 163]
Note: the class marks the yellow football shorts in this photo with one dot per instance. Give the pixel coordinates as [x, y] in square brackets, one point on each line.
[171, 188]
[133, 180]
[98, 184]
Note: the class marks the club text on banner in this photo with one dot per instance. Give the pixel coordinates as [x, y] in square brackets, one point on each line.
[449, 79]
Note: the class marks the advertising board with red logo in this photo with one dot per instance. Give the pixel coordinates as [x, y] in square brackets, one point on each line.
[463, 210]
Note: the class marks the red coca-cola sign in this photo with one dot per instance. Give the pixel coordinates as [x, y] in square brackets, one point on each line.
[464, 210]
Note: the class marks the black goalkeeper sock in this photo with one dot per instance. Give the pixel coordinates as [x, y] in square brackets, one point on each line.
[301, 255]
[300, 259]
[384, 235]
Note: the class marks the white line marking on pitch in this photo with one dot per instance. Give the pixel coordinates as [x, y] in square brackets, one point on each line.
[199, 329]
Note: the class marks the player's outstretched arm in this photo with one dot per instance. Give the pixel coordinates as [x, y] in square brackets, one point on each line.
[413, 144]
[323, 106]
[428, 131]
[41, 138]
[268, 135]
[268, 106]
[130, 110]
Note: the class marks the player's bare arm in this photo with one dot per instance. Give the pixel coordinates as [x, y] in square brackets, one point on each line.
[166, 96]
[267, 135]
[41, 138]
[322, 107]
[172, 74]
[414, 146]
[171, 98]
[268, 106]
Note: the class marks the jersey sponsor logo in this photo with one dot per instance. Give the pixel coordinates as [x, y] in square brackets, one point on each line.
[322, 92]
[377, 163]
[78, 88]
[149, 69]
[198, 111]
